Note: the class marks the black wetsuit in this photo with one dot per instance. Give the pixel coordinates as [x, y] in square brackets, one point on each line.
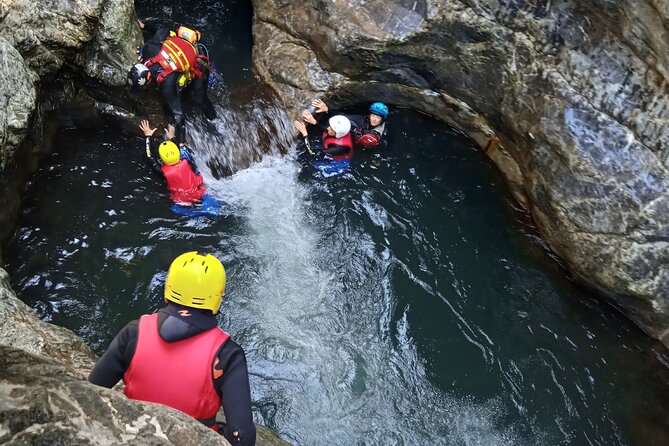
[232, 386]
[169, 88]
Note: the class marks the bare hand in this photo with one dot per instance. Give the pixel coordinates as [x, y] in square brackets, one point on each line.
[320, 106]
[140, 23]
[300, 127]
[308, 117]
[145, 127]
[170, 131]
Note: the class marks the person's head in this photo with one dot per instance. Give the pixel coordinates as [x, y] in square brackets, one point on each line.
[139, 76]
[169, 153]
[197, 281]
[378, 112]
[339, 126]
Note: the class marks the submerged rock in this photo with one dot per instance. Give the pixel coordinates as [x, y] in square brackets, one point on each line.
[569, 99]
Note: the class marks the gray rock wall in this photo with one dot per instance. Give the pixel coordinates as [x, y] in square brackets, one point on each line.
[569, 98]
[43, 44]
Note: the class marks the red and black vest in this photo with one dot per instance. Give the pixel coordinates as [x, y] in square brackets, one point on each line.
[176, 54]
[176, 374]
[346, 141]
[184, 185]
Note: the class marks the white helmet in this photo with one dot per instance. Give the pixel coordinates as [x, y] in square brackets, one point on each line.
[340, 124]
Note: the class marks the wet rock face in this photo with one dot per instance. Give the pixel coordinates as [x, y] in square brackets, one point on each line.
[569, 98]
[45, 402]
[43, 42]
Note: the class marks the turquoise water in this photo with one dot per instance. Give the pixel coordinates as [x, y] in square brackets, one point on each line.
[409, 304]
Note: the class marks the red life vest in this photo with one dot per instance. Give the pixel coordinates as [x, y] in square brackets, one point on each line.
[371, 139]
[176, 374]
[184, 185]
[345, 141]
[176, 54]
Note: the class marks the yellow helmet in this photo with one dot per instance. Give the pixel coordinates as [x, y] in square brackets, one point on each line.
[169, 153]
[196, 281]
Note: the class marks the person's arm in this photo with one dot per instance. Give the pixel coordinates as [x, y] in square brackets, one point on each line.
[112, 365]
[153, 45]
[302, 128]
[233, 386]
[150, 147]
[169, 91]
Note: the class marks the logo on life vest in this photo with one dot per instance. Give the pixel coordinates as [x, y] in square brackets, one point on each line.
[184, 313]
[217, 373]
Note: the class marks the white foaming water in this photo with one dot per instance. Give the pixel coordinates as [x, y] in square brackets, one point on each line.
[328, 362]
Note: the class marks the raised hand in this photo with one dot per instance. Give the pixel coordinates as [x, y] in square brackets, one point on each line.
[308, 117]
[145, 127]
[320, 106]
[300, 127]
[170, 131]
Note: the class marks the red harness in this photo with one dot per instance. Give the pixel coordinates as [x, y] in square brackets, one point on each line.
[184, 185]
[176, 54]
[176, 374]
[345, 141]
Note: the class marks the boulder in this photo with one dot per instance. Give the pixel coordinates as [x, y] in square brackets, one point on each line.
[568, 98]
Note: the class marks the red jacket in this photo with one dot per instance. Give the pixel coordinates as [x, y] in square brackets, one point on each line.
[184, 185]
[345, 141]
[176, 374]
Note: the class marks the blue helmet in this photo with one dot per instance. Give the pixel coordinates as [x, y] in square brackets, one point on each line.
[379, 108]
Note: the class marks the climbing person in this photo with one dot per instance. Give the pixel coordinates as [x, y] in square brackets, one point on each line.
[369, 131]
[184, 181]
[179, 357]
[175, 61]
[336, 141]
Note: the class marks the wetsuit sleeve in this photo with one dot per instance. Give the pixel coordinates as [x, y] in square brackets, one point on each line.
[336, 150]
[235, 393]
[169, 91]
[152, 156]
[112, 365]
[321, 121]
[152, 46]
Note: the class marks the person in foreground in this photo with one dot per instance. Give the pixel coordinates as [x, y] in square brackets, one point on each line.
[184, 180]
[179, 357]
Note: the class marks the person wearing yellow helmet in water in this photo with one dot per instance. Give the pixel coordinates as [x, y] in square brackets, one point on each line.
[177, 64]
[179, 357]
[184, 181]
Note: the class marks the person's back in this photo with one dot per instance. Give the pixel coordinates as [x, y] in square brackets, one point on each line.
[180, 358]
[184, 185]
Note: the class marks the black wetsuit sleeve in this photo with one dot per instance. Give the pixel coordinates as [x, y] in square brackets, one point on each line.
[169, 91]
[335, 150]
[321, 121]
[152, 156]
[153, 45]
[112, 365]
[235, 393]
